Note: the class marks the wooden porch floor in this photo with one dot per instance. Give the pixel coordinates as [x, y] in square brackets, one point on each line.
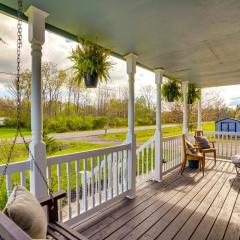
[180, 207]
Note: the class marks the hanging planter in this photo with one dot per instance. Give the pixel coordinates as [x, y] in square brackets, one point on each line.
[194, 94]
[91, 80]
[171, 90]
[91, 63]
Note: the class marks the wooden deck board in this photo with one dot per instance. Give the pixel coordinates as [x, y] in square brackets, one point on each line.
[180, 207]
[189, 218]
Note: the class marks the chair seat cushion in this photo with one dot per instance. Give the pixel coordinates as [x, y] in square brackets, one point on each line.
[24, 209]
[202, 142]
[236, 159]
[190, 148]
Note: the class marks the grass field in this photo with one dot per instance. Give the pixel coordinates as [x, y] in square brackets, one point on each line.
[10, 132]
[144, 135]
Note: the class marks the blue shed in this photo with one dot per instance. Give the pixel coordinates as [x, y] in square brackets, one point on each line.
[228, 125]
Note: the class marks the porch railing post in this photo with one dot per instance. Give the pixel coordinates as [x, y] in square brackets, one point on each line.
[199, 126]
[158, 133]
[36, 36]
[131, 137]
[185, 107]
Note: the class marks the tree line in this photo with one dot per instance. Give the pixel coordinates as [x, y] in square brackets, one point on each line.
[69, 106]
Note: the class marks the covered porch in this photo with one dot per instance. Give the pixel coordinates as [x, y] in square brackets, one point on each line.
[125, 192]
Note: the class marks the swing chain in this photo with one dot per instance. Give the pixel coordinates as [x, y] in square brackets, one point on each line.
[18, 102]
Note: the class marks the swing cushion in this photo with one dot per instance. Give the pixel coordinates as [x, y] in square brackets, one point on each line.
[24, 209]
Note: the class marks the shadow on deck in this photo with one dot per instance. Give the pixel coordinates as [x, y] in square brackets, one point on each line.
[180, 207]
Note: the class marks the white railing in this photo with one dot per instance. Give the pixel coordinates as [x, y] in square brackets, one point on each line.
[145, 161]
[227, 144]
[172, 157]
[91, 179]
[172, 153]
[16, 173]
[96, 178]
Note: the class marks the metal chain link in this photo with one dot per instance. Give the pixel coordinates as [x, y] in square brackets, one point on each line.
[18, 102]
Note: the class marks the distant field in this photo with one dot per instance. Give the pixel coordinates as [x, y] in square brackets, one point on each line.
[10, 132]
[144, 135]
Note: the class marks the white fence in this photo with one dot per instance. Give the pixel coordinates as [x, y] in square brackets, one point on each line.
[95, 178]
[172, 153]
[172, 150]
[227, 144]
[91, 178]
[145, 161]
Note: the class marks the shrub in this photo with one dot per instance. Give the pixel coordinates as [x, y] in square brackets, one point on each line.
[57, 126]
[100, 122]
[12, 123]
[52, 145]
[74, 123]
[118, 122]
[87, 123]
[142, 121]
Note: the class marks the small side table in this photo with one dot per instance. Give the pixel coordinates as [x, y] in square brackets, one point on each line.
[236, 161]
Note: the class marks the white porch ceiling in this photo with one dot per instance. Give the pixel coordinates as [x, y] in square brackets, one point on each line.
[195, 40]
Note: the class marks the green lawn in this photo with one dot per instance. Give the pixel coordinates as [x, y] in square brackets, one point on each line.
[144, 135]
[10, 132]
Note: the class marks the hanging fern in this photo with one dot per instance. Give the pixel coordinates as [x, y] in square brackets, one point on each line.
[171, 90]
[194, 93]
[90, 58]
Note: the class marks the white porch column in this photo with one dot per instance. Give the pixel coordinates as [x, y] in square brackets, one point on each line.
[185, 107]
[158, 133]
[131, 137]
[199, 126]
[36, 36]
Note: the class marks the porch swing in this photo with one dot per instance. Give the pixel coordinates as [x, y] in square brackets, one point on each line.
[9, 230]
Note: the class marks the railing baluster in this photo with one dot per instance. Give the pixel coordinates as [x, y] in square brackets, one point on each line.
[99, 181]
[59, 173]
[9, 184]
[138, 164]
[147, 168]
[122, 174]
[49, 176]
[142, 161]
[92, 183]
[152, 151]
[23, 178]
[111, 175]
[68, 168]
[236, 144]
[105, 178]
[117, 174]
[84, 186]
[77, 186]
[126, 176]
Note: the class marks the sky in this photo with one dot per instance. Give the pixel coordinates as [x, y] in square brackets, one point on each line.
[57, 49]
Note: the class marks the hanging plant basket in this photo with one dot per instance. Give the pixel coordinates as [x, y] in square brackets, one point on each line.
[194, 94]
[91, 63]
[171, 91]
[91, 80]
